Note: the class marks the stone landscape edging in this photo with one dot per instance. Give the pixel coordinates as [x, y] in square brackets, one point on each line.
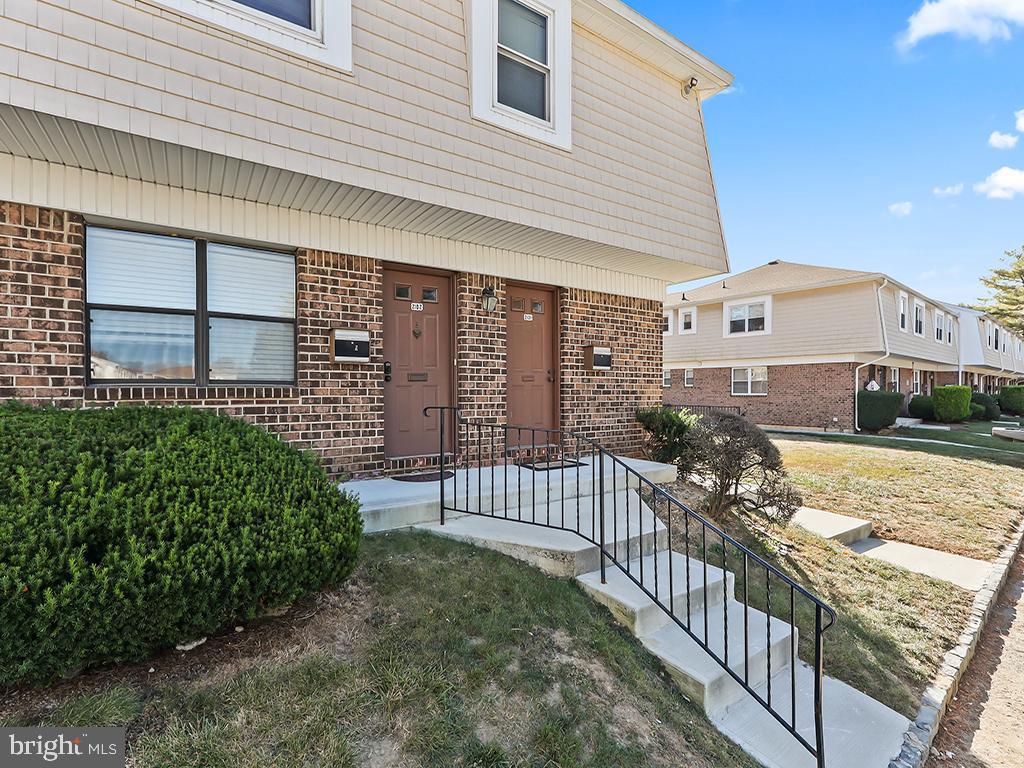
[917, 741]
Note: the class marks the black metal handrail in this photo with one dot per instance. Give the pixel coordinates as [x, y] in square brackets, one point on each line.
[493, 449]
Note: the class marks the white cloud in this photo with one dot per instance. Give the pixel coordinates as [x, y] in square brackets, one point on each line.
[950, 191]
[1019, 114]
[1004, 184]
[1002, 140]
[983, 20]
[899, 210]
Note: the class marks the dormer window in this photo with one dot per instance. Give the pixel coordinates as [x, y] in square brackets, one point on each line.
[918, 318]
[521, 60]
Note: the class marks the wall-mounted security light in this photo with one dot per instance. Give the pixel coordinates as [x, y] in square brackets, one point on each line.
[488, 299]
[690, 85]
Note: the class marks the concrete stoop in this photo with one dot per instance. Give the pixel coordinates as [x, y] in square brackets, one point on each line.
[859, 731]
[829, 525]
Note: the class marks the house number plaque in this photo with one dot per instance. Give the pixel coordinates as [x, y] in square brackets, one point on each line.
[416, 306]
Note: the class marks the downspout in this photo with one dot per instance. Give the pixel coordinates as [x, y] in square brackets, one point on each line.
[885, 347]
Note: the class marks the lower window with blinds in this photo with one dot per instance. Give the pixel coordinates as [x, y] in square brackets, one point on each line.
[179, 310]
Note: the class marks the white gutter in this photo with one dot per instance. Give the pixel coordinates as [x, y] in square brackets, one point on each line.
[859, 368]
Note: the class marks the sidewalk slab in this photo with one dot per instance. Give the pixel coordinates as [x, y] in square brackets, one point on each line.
[956, 569]
[829, 525]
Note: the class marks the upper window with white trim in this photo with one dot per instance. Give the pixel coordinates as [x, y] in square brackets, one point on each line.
[919, 309]
[940, 325]
[904, 311]
[751, 317]
[949, 330]
[521, 58]
[320, 30]
[174, 309]
[687, 321]
[667, 325]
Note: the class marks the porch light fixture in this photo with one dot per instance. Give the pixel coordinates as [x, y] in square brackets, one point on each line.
[490, 301]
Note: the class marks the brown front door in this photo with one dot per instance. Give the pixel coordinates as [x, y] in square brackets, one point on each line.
[417, 360]
[532, 357]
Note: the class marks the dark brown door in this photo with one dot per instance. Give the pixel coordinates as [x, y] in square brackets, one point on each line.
[532, 357]
[417, 360]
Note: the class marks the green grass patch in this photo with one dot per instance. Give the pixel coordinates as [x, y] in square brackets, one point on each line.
[462, 657]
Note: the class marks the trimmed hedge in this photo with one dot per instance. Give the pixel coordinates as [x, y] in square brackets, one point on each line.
[1011, 400]
[878, 410]
[991, 405]
[977, 412]
[667, 433]
[124, 531]
[922, 407]
[952, 403]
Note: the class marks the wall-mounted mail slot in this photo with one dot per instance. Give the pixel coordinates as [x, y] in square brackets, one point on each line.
[351, 346]
[598, 358]
[416, 377]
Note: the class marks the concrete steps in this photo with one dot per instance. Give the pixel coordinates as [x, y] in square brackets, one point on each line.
[842, 528]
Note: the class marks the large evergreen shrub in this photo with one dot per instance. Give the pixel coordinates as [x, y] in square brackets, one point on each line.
[127, 530]
[991, 405]
[878, 410]
[666, 430]
[952, 403]
[1011, 400]
[922, 407]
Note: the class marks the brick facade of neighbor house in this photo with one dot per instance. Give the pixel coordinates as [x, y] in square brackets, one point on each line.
[603, 404]
[798, 395]
[334, 409]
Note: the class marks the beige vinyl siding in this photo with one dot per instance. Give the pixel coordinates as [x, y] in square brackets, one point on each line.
[820, 323]
[907, 344]
[117, 200]
[638, 176]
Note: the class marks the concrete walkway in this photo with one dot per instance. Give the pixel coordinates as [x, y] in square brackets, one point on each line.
[856, 534]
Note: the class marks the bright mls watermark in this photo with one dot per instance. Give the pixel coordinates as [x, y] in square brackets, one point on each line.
[80, 747]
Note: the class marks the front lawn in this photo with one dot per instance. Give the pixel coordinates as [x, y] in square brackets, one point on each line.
[975, 433]
[962, 503]
[433, 654]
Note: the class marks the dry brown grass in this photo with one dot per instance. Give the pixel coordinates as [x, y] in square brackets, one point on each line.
[967, 506]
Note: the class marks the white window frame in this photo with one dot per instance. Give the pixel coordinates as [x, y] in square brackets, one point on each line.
[894, 377]
[688, 377]
[670, 315]
[329, 42]
[988, 334]
[924, 317]
[692, 312]
[949, 330]
[483, 62]
[917, 382]
[750, 381]
[940, 326]
[903, 312]
[727, 312]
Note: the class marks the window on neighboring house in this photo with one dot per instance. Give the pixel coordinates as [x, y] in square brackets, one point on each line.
[750, 381]
[521, 61]
[666, 378]
[894, 379]
[917, 382]
[320, 30]
[949, 329]
[687, 321]
[688, 377]
[748, 317]
[918, 318]
[940, 325]
[149, 320]
[666, 326]
[995, 336]
[988, 333]
[904, 310]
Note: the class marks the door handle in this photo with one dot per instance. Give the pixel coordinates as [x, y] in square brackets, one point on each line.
[387, 370]
[551, 375]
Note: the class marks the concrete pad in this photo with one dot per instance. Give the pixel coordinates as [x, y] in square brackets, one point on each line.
[956, 569]
[1008, 433]
[859, 731]
[387, 504]
[906, 421]
[829, 525]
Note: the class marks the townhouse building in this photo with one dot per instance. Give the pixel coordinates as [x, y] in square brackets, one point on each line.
[991, 355]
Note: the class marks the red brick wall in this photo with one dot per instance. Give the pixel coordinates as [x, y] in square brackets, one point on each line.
[603, 404]
[336, 410]
[798, 395]
[42, 342]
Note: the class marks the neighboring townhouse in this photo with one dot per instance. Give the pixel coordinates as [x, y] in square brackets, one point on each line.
[790, 344]
[324, 215]
[990, 354]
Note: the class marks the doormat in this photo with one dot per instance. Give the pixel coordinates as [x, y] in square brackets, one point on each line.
[547, 466]
[424, 477]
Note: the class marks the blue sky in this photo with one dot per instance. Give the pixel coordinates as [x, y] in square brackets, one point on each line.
[843, 109]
